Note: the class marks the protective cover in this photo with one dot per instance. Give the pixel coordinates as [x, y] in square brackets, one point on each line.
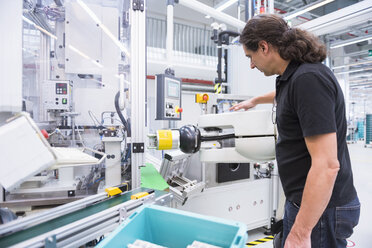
[25, 152]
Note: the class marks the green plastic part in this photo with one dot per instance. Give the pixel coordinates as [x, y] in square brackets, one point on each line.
[151, 178]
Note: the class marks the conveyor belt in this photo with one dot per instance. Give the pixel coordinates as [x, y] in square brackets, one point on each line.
[69, 218]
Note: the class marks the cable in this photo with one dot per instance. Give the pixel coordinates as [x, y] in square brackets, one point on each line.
[125, 123]
[217, 137]
[115, 119]
[94, 118]
[81, 139]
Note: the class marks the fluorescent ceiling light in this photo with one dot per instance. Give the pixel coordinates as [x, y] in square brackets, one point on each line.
[352, 71]
[361, 75]
[39, 28]
[350, 41]
[360, 63]
[361, 84]
[225, 5]
[103, 27]
[360, 80]
[311, 7]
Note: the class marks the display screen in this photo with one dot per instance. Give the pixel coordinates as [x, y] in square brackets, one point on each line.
[173, 88]
[61, 88]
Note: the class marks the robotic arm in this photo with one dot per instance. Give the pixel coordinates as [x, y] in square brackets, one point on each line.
[254, 136]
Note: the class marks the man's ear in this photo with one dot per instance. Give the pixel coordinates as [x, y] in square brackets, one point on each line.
[263, 46]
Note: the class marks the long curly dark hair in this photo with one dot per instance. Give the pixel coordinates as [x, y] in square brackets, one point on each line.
[291, 43]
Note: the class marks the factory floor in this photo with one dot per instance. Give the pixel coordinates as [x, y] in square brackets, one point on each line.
[361, 159]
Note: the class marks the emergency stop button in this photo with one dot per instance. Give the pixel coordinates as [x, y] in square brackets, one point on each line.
[178, 109]
[201, 98]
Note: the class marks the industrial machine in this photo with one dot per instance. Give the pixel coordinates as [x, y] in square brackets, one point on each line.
[253, 134]
[236, 178]
[76, 95]
[83, 93]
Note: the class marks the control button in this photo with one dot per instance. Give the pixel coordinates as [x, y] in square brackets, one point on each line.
[201, 98]
[57, 99]
[64, 100]
[178, 109]
[44, 133]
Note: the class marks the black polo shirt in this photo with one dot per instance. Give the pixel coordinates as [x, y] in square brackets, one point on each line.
[310, 102]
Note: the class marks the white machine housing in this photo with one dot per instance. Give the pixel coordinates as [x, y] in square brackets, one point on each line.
[252, 200]
[256, 133]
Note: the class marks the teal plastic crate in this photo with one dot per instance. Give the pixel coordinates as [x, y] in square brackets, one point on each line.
[175, 228]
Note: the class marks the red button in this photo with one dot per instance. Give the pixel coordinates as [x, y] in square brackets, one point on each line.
[205, 97]
[180, 110]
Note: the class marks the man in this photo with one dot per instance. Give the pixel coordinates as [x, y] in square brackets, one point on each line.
[322, 206]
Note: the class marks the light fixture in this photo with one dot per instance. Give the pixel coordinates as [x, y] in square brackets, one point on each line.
[360, 75]
[103, 27]
[309, 8]
[359, 81]
[350, 41]
[361, 84]
[39, 28]
[360, 63]
[352, 71]
[225, 5]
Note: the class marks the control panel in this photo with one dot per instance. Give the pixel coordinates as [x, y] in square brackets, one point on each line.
[56, 95]
[168, 97]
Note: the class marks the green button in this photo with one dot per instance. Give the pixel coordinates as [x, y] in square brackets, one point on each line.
[64, 100]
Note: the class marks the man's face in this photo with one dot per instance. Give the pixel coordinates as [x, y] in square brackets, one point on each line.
[260, 59]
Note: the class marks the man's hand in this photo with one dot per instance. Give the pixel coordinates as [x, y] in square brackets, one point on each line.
[298, 238]
[247, 104]
[293, 241]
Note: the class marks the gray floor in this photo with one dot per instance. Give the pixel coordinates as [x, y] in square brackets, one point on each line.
[361, 159]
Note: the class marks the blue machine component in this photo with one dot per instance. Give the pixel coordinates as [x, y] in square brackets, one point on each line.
[360, 126]
[369, 129]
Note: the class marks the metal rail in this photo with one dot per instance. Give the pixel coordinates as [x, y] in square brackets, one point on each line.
[80, 230]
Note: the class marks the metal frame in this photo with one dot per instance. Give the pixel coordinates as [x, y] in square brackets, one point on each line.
[205, 9]
[138, 87]
[82, 231]
[24, 223]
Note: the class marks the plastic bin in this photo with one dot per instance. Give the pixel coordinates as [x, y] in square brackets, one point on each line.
[175, 228]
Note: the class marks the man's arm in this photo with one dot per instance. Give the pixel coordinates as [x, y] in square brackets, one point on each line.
[247, 104]
[318, 188]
